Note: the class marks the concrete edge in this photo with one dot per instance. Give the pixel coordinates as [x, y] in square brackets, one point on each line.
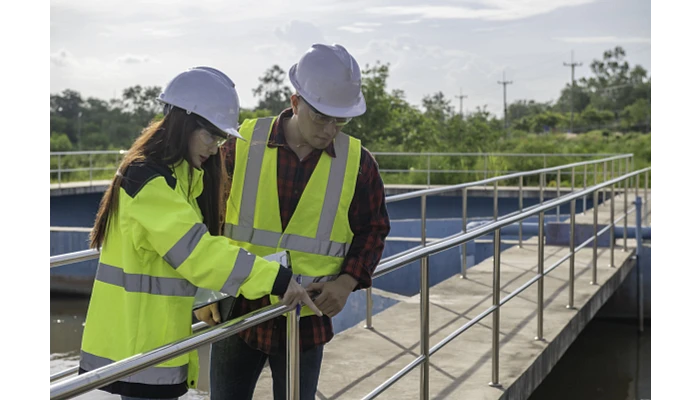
[529, 380]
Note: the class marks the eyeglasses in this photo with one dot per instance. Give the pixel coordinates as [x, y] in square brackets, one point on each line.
[323, 119]
[209, 138]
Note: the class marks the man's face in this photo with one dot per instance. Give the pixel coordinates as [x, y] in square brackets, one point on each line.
[318, 130]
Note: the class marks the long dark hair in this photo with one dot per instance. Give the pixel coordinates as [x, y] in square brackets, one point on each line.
[166, 143]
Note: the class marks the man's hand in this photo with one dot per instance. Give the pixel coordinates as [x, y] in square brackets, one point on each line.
[334, 294]
[296, 294]
[209, 314]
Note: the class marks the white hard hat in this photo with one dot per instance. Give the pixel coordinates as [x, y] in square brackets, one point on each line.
[330, 80]
[207, 92]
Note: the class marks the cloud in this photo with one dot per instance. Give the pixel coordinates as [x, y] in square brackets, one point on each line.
[355, 29]
[409, 21]
[300, 34]
[603, 39]
[489, 10]
[163, 33]
[62, 58]
[133, 59]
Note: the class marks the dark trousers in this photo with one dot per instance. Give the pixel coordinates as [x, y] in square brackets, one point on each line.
[235, 368]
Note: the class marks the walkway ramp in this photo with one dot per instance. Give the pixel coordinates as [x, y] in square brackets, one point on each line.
[358, 360]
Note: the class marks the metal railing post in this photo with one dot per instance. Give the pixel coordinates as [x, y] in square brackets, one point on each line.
[368, 323]
[464, 229]
[558, 188]
[423, 236]
[612, 231]
[428, 170]
[496, 302]
[90, 158]
[645, 219]
[495, 201]
[59, 172]
[540, 281]
[293, 354]
[626, 207]
[585, 179]
[541, 187]
[640, 274]
[486, 167]
[612, 176]
[605, 177]
[520, 224]
[425, 329]
[595, 240]
[572, 249]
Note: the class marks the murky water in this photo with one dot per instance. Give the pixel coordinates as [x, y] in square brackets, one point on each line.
[609, 360]
[67, 320]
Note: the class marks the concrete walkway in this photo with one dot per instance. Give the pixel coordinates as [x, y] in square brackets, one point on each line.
[358, 360]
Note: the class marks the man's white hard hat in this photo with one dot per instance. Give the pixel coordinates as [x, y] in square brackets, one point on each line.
[330, 80]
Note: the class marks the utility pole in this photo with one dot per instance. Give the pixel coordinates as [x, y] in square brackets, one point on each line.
[573, 66]
[460, 97]
[505, 106]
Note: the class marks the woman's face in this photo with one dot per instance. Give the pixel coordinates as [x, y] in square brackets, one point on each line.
[203, 144]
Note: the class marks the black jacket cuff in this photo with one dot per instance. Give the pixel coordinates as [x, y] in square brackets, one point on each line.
[279, 288]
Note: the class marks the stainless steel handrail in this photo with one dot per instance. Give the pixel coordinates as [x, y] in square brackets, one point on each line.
[429, 192]
[113, 372]
[496, 226]
[394, 263]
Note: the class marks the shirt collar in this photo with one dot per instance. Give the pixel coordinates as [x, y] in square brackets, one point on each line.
[277, 137]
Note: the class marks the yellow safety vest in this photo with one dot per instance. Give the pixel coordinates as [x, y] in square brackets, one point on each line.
[318, 235]
[155, 254]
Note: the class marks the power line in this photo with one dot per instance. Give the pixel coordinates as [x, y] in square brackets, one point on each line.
[573, 66]
[505, 106]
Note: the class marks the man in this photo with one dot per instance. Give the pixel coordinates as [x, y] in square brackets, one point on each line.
[318, 195]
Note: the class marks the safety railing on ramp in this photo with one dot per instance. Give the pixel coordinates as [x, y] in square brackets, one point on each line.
[75, 386]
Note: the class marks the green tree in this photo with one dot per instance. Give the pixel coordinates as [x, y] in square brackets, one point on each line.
[274, 94]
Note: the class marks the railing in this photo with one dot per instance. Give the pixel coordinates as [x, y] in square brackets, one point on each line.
[94, 156]
[117, 370]
[96, 162]
[428, 160]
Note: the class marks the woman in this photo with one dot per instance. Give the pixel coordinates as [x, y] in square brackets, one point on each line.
[158, 226]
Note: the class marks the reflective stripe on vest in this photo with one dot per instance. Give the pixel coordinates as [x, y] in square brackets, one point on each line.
[166, 286]
[321, 244]
[148, 376]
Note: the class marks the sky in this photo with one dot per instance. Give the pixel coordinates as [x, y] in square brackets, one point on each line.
[101, 48]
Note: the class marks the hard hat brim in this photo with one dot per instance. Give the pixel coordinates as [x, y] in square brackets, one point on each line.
[231, 132]
[356, 110]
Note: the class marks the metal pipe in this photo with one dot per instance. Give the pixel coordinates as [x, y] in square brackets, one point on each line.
[293, 354]
[384, 386]
[495, 201]
[572, 246]
[486, 168]
[585, 179]
[425, 329]
[464, 229]
[418, 193]
[428, 170]
[627, 188]
[74, 257]
[595, 240]
[558, 188]
[496, 302]
[542, 188]
[90, 157]
[540, 282]
[612, 231]
[422, 220]
[640, 274]
[605, 177]
[646, 198]
[368, 323]
[113, 372]
[520, 228]
[59, 170]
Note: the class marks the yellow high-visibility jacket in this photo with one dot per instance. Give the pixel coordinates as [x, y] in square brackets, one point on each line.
[155, 254]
